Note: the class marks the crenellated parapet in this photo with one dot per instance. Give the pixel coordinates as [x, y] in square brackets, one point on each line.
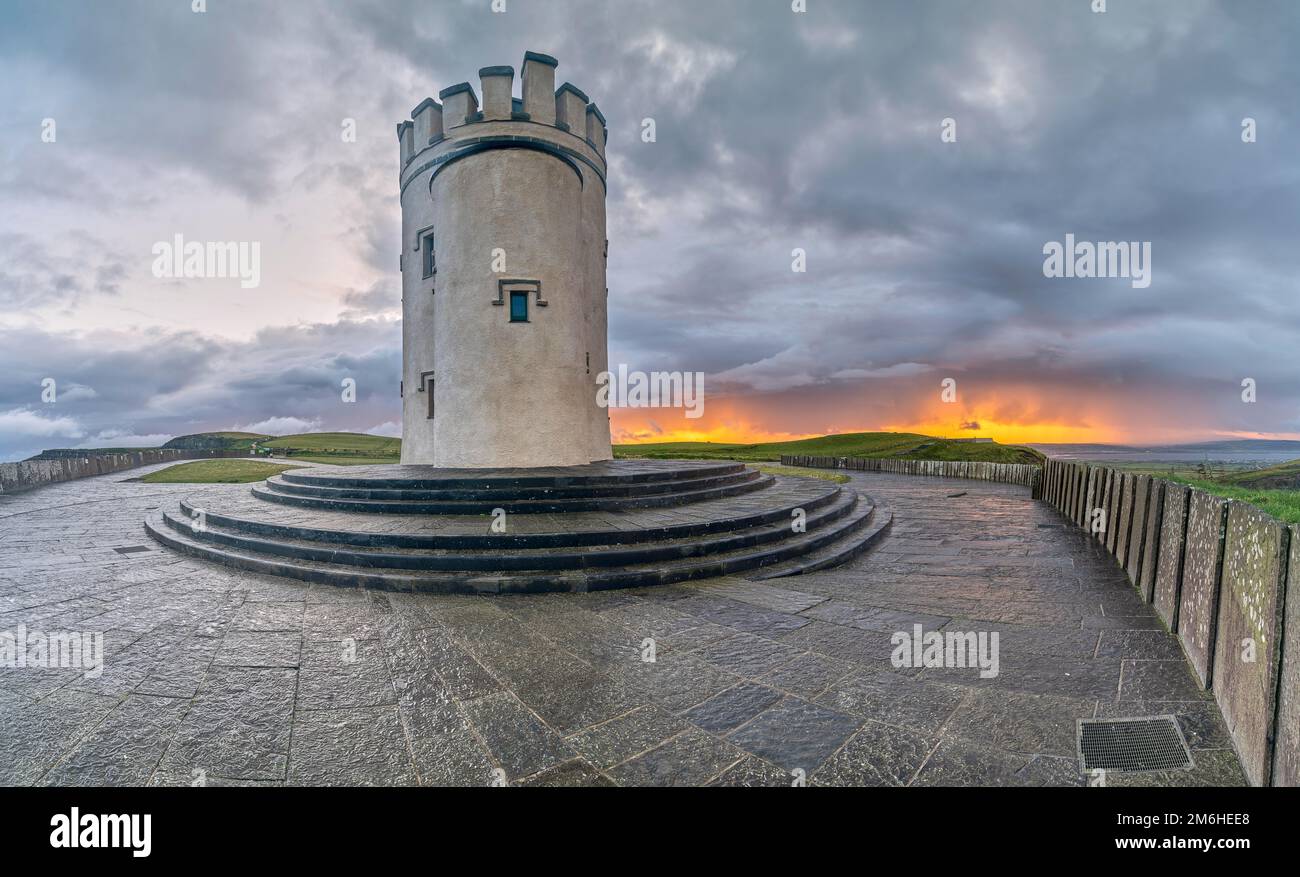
[563, 118]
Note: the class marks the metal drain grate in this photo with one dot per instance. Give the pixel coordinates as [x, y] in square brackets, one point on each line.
[1146, 743]
[132, 549]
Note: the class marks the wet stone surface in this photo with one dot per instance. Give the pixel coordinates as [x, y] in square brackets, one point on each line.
[227, 678]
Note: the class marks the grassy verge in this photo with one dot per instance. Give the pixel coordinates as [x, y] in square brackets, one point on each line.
[337, 443]
[1269, 489]
[896, 445]
[216, 472]
[800, 471]
[1281, 504]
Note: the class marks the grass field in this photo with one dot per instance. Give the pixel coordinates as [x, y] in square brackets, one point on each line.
[344, 448]
[800, 471]
[216, 472]
[900, 445]
[1281, 504]
[336, 444]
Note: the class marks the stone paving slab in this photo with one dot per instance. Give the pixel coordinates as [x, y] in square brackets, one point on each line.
[223, 678]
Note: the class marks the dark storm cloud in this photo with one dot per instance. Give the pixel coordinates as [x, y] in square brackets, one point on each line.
[123, 385]
[774, 131]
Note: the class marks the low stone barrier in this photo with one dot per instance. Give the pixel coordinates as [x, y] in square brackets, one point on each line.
[1146, 578]
[1248, 648]
[15, 477]
[1173, 538]
[1221, 574]
[1286, 749]
[1024, 474]
[1198, 604]
[1135, 539]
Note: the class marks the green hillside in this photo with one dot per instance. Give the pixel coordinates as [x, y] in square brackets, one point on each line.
[899, 445]
[347, 448]
[1281, 504]
[1284, 476]
[208, 441]
[351, 448]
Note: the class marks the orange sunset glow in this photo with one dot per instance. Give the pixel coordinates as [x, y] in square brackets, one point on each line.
[1011, 419]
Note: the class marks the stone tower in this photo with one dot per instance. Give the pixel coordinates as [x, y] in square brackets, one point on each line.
[503, 274]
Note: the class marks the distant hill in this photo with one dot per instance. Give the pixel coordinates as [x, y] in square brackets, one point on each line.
[337, 443]
[898, 445]
[1283, 477]
[1206, 449]
[359, 448]
[68, 453]
[215, 441]
[317, 447]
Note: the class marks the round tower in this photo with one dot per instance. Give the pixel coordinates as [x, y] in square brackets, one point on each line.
[503, 274]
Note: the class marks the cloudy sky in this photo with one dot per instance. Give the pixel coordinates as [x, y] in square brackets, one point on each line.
[775, 130]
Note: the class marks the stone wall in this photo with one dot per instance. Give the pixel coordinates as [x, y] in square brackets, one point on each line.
[1008, 473]
[35, 473]
[1225, 577]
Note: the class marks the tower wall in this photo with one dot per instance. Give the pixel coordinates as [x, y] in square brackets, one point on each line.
[504, 393]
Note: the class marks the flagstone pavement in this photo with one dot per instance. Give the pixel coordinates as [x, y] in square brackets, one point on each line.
[214, 676]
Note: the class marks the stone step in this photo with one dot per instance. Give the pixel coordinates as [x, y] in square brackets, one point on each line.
[664, 572]
[431, 478]
[495, 560]
[503, 494]
[271, 523]
[271, 493]
[835, 554]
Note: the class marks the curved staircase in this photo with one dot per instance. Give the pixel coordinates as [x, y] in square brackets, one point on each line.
[609, 525]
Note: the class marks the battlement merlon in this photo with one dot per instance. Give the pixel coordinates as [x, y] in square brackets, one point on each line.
[405, 141]
[498, 85]
[538, 77]
[571, 109]
[459, 103]
[428, 122]
[596, 129]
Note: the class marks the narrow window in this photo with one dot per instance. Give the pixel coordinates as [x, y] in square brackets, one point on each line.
[426, 387]
[430, 265]
[519, 307]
